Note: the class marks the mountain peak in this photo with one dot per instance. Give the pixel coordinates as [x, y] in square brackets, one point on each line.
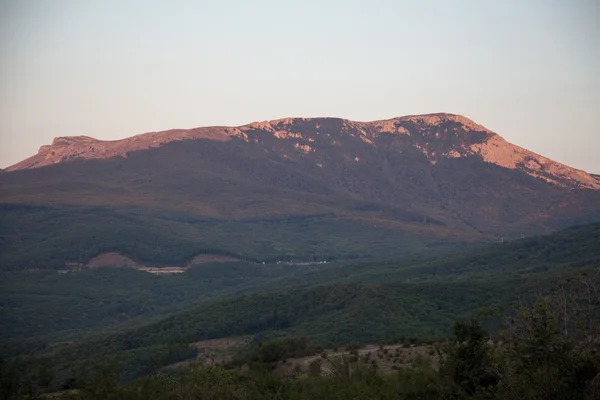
[438, 118]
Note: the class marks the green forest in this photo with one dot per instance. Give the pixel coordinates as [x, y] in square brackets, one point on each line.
[47, 237]
[547, 349]
[73, 330]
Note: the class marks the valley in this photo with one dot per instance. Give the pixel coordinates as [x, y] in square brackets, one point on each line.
[137, 317]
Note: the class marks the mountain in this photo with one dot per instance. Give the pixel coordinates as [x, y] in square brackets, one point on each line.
[291, 189]
[437, 136]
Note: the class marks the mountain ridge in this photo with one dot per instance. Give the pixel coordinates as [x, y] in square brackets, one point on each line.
[296, 189]
[455, 136]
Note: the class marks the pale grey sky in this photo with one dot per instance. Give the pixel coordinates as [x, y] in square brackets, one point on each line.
[527, 69]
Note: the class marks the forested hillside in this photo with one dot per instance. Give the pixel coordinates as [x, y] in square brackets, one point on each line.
[51, 316]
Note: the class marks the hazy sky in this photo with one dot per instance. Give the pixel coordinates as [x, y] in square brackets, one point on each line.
[527, 69]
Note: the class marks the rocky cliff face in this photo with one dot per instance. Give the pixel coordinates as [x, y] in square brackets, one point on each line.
[436, 136]
[70, 148]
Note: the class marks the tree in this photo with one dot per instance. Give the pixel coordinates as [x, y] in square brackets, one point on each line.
[467, 360]
[551, 349]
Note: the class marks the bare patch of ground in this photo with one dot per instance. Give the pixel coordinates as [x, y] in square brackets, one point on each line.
[112, 260]
[117, 260]
[384, 358]
[217, 351]
[163, 270]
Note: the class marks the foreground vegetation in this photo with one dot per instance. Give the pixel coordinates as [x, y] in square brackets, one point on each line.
[548, 350]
